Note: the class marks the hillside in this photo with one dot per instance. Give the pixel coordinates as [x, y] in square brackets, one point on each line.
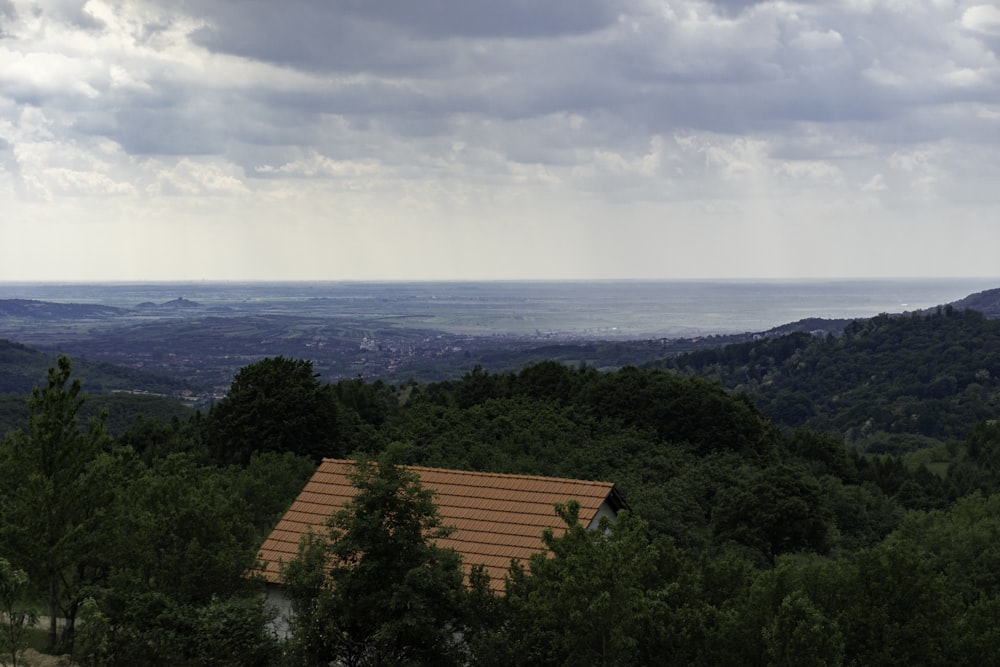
[21, 367]
[986, 302]
[124, 392]
[46, 310]
[884, 384]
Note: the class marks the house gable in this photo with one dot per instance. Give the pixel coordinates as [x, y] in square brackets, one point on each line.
[497, 517]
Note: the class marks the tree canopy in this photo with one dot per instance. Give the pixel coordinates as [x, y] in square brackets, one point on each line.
[54, 496]
[274, 405]
[747, 543]
[377, 590]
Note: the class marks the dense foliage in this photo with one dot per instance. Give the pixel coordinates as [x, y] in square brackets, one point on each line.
[22, 366]
[274, 405]
[52, 496]
[888, 384]
[16, 616]
[153, 551]
[745, 542]
[124, 394]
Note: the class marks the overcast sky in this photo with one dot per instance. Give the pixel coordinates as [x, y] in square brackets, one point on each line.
[493, 139]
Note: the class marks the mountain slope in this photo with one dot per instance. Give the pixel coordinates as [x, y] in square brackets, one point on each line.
[929, 375]
[23, 367]
[47, 310]
[986, 302]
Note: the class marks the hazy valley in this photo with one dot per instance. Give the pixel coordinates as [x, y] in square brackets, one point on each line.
[401, 332]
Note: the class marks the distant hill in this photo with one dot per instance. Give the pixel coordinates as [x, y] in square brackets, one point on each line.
[206, 345]
[122, 410]
[885, 383]
[180, 303]
[46, 310]
[986, 302]
[124, 392]
[23, 367]
[811, 325]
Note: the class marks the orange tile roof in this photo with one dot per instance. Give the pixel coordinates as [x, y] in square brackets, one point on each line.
[497, 517]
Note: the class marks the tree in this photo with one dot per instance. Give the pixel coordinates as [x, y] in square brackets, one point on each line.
[377, 590]
[611, 596]
[801, 636]
[182, 540]
[274, 405]
[15, 617]
[52, 499]
[780, 509]
[182, 531]
[679, 409]
[895, 609]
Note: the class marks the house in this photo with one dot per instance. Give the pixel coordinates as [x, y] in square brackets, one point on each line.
[497, 517]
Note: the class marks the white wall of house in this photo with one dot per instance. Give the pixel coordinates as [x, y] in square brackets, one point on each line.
[604, 510]
[276, 598]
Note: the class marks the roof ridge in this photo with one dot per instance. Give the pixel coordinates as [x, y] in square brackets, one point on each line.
[509, 475]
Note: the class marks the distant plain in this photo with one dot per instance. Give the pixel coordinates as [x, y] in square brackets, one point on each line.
[203, 332]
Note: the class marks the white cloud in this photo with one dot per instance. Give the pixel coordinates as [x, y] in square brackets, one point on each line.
[815, 40]
[819, 171]
[982, 18]
[875, 184]
[191, 177]
[414, 137]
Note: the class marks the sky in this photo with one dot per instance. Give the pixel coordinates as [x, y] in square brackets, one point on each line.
[498, 139]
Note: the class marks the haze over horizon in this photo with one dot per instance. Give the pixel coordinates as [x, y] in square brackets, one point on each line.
[157, 140]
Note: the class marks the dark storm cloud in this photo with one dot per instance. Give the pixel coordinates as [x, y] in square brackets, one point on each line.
[534, 82]
[731, 66]
[399, 36]
[734, 7]
[179, 132]
[8, 14]
[442, 19]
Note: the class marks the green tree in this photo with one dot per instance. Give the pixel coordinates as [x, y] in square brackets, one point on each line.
[801, 636]
[182, 538]
[779, 509]
[15, 616]
[611, 596]
[53, 499]
[979, 633]
[774, 618]
[377, 590]
[962, 541]
[893, 608]
[92, 646]
[181, 530]
[233, 632]
[274, 405]
[152, 439]
[679, 409]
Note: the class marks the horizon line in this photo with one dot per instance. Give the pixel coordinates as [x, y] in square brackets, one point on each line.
[291, 281]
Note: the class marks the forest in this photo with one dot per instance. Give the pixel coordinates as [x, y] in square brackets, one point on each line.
[799, 500]
[889, 383]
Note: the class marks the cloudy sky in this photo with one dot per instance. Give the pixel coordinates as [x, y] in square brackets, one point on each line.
[489, 139]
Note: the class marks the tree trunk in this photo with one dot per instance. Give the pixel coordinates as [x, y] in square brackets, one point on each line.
[53, 611]
[69, 628]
